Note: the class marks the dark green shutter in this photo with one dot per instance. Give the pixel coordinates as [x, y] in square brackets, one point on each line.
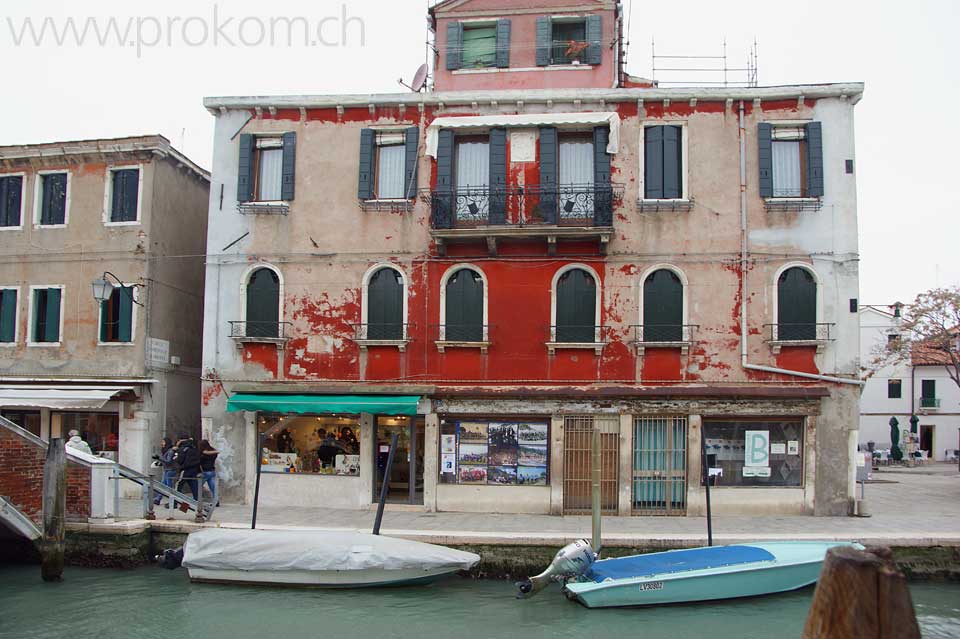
[464, 312]
[796, 305]
[263, 304]
[51, 331]
[814, 134]
[454, 46]
[54, 202]
[125, 316]
[126, 184]
[498, 176]
[549, 167]
[105, 319]
[443, 198]
[602, 189]
[928, 388]
[576, 307]
[368, 161]
[503, 43]
[653, 162]
[765, 158]
[672, 162]
[595, 39]
[385, 305]
[8, 315]
[544, 40]
[412, 141]
[289, 167]
[662, 307]
[245, 166]
[11, 189]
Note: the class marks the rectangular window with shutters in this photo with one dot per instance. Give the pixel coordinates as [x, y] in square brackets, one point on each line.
[894, 388]
[791, 160]
[576, 173]
[391, 158]
[479, 45]
[11, 201]
[472, 170]
[46, 318]
[388, 164]
[664, 161]
[266, 172]
[9, 315]
[52, 198]
[122, 197]
[116, 317]
[569, 42]
[268, 159]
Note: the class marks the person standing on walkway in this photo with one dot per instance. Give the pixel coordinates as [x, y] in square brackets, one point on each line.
[208, 465]
[188, 462]
[78, 444]
[168, 461]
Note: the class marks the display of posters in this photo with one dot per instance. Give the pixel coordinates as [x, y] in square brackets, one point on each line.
[793, 447]
[532, 475]
[473, 432]
[473, 454]
[473, 474]
[448, 444]
[448, 464]
[779, 448]
[509, 453]
[502, 475]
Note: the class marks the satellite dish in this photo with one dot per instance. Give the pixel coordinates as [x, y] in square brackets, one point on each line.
[419, 79]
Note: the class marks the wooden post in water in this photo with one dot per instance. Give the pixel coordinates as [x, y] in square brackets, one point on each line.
[54, 511]
[861, 595]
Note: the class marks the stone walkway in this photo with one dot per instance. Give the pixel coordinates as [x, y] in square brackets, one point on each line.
[910, 506]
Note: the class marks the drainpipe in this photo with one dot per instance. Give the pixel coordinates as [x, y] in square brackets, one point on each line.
[743, 281]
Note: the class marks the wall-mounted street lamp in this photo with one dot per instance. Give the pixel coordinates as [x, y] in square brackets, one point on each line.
[103, 288]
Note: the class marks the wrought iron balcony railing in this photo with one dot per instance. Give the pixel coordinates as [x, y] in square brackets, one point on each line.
[566, 204]
[929, 402]
[260, 331]
[664, 333]
[799, 332]
[386, 332]
[466, 333]
[574, 334]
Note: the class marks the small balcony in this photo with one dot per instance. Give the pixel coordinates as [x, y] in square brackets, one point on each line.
[780, 335]
[577, 338]
[573, 211]
[260, 332]
[461, 336]
[930, 403]
[392, 335]
[680, 336]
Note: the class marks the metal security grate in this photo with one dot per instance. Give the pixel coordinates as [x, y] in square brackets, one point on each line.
[577, 433]
[660, 465]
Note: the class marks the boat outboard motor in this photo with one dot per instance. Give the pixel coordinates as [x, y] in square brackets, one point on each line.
[170, 558]
[571, 561]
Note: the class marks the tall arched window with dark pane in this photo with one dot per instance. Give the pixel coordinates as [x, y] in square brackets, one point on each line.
[796, 305]
[385, 305]
[576, 307]
[463, 321]
[263, 304]
[662, 307]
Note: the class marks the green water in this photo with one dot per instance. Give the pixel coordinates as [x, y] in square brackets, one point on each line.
[154, 603]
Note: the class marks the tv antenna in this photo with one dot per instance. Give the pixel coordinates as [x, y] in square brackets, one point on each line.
[419, 79]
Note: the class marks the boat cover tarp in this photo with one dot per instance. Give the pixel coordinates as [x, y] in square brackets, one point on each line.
[315, 550]
[324, 404]
[676, 561]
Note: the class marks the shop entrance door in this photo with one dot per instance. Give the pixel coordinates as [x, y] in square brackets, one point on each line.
[406, 477]
[926, 439]
[659, 465]
[577, 435]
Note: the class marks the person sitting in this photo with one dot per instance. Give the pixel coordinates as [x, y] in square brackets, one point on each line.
[78, 444]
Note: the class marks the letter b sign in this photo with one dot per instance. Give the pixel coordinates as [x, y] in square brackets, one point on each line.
[757, 448]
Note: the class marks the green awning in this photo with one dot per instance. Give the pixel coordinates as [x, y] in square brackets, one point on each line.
[323, 404]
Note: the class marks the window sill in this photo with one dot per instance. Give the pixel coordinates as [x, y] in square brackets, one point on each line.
[279, 342]
[11, 228]
[266, 208]
[49, 226]
[552, 67]
[44, 344]
[391, 205]
[130, 343]
[133, 223]
[777, 345]
[773, 204]
[655, 206]
[444, 344]
[8, 344]
[399, 344]
[553, 347]
[683, 346]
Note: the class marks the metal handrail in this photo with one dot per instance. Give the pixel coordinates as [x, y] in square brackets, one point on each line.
[578, 334]
[386, 332]
[659, 333]
[460, 332]
[259, 330]
[802, 332]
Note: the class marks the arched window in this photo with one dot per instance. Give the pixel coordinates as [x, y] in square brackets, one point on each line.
[463, 319]
[796, 305]
[385, 305]
[263, 303]
[663, 307]
[576, 307]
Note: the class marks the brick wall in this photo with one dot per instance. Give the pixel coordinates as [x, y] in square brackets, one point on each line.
[21, 478]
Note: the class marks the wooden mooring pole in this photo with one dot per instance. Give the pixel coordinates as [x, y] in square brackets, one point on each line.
[861, 595]
[54, 511]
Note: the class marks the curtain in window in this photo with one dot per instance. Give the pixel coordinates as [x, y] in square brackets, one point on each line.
[473, 180]
[576, 179]
[390, 172]
[271, 174]
[786, 168]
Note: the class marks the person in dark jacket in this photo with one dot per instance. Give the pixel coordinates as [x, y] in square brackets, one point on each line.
[188, 461]
[208, 465]
[168, 461]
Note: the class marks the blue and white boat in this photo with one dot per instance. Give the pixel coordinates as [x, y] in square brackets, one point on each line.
[680, 576]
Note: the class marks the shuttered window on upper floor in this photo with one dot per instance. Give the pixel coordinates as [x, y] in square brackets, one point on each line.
[8, 315]
[53, 199]
[663, 162]
[45, 327]
[116, 316]
[267, 168]
[790, 160]
[796, 305]
[124, 195]
[11, 200]
[569, 40]
[388, 164]
[472, 45]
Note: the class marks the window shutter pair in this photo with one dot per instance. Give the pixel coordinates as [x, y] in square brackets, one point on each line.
[8, 315]
[368, 163]
[549, 173]
[662, 162]
[11, 189]
[246, 167]
[46, 314]
[594, 31]
[454, 49]
[813, 132]
[602, 189]
[123, 318]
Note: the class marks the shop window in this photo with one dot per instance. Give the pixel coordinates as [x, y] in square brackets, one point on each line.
[313, 444]
[101, 431]
[116, 316]
[755, 453]
[496, 453]
[26, 419]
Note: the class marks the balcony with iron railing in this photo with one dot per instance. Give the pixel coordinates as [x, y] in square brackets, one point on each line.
[804, 334]
[930, 403]
[663, 336]
[576, 211]
[568, 336]
[260, 332]
[461, 336]
[384, 334]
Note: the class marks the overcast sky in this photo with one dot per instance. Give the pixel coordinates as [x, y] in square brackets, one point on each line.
[906, 53]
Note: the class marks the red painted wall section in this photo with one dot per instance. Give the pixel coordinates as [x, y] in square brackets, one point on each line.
[330, 353]
[798, 358]
[264, 356]
[662, 365]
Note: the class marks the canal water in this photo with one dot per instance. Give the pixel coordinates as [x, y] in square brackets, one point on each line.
[150, 603]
